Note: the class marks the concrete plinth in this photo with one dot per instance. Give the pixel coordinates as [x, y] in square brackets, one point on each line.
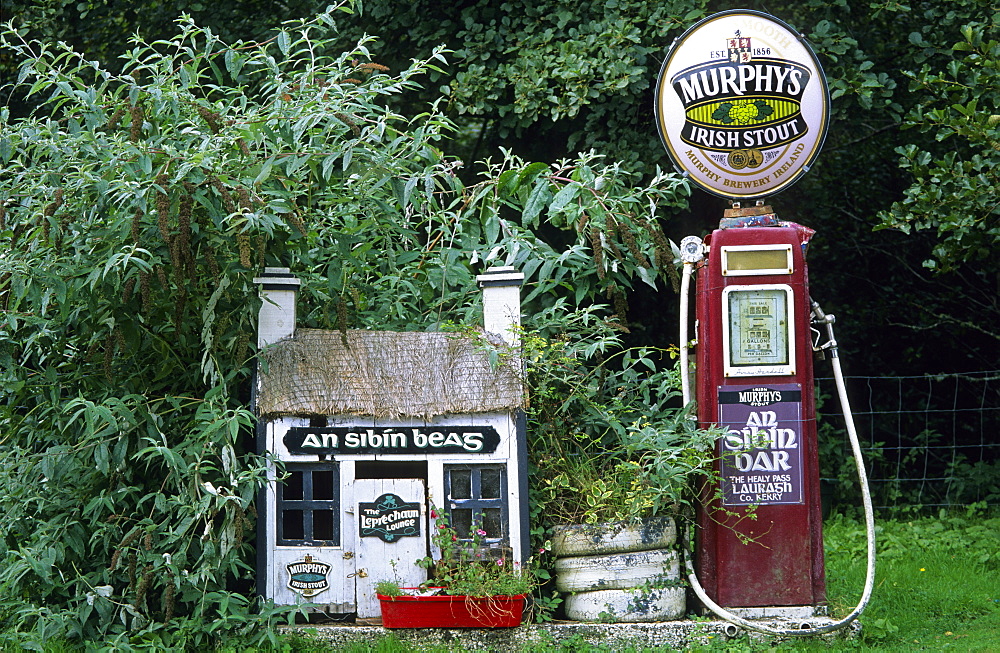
[669, 634]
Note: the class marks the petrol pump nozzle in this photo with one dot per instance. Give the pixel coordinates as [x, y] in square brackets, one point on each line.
[819, 317]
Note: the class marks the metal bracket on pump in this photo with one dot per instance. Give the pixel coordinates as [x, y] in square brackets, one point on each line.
[692, 249]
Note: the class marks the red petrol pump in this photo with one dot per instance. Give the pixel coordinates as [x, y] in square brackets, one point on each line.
[755, 382]
[759, 540]
[742, 109]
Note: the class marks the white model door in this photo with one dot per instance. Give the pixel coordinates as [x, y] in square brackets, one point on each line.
[391, 525]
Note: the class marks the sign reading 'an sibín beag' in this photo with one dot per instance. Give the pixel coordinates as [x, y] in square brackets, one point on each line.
[742, 104]
[410, 439]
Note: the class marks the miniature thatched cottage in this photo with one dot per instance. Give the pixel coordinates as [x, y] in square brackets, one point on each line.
[372, 428]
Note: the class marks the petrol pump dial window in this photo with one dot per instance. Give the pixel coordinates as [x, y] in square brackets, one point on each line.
[758, 327]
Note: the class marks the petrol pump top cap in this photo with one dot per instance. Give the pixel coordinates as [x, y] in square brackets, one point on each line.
[751, 216]
[742, 104]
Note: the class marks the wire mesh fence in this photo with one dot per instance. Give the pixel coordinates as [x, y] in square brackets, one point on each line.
[928, 441]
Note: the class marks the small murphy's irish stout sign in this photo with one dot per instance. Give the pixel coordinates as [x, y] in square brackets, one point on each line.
[308, 576]
[742, 104]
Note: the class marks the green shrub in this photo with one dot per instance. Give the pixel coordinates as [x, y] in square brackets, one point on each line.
[135, 210]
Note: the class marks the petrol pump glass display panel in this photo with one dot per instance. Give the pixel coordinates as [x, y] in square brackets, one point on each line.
[758, 334]
[749, 260]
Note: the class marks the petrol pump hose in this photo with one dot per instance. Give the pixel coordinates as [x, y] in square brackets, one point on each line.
[819, 317]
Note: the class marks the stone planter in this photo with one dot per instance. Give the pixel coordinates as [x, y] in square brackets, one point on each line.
[616, 571]
[613, 537]
[619, 572]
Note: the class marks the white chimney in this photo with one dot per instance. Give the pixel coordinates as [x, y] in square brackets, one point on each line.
[502, 302]
[276, 320]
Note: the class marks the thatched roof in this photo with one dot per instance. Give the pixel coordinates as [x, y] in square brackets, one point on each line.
[384, 374]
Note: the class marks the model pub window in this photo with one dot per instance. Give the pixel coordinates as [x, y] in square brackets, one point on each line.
[477, 496]
[308, 505]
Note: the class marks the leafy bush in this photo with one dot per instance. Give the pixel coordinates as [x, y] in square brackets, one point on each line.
[466, 566]
[135, 208]
[608, 439]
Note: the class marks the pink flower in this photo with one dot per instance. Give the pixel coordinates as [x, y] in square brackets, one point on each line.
[500, 562]
[480, 532]
[433, 515]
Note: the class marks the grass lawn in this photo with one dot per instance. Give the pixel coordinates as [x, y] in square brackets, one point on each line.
[937, 582]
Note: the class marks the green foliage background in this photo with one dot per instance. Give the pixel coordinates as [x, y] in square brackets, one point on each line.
[911, 147]
[140, 195]
[138, 206]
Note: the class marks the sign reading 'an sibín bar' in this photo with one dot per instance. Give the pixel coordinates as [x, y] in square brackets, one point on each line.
[742, 104]
[761, 453]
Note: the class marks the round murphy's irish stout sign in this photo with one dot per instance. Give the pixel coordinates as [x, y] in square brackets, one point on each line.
[742, 104]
